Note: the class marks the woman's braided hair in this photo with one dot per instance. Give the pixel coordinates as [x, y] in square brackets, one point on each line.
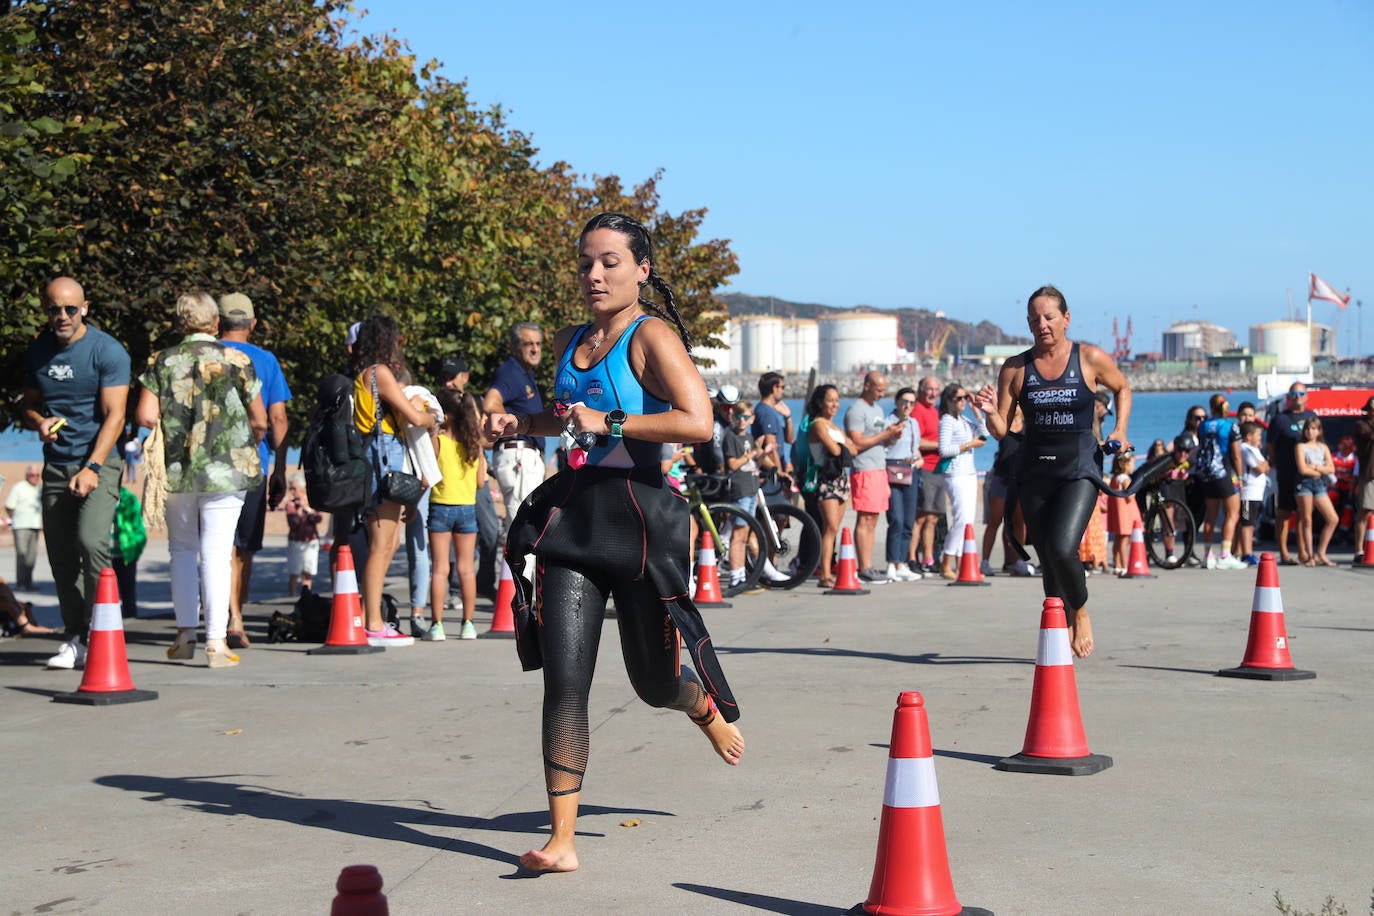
[642, 247]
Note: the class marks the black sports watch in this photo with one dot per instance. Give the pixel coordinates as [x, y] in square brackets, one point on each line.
[613, 420]
[94, 466]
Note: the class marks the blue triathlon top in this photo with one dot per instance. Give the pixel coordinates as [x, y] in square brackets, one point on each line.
[606, 385]
[1059, 442]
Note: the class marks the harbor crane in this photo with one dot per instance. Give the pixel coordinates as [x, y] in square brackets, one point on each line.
[1121, 348]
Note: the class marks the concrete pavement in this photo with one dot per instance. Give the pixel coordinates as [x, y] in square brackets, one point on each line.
[246, 790]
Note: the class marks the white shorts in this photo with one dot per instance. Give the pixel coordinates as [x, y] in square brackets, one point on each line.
[302, 557]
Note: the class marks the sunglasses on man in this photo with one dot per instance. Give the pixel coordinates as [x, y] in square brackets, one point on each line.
[68, 310]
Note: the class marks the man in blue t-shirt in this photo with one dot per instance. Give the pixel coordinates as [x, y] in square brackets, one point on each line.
[236, 322]
[518, 462]
[773, 418]
[76, 389]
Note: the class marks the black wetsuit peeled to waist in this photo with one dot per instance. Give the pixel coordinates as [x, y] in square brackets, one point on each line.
[1059, 467]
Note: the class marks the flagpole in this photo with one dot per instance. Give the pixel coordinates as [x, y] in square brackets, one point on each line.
[1311, 362]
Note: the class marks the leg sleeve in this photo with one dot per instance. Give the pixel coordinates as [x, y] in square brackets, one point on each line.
[1057, 514]
[650, 645]
[570, 608]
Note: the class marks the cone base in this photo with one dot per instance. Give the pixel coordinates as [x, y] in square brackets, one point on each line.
[97, 698]
[1268, 674]
[979, 582]
[845, 591]
[859, 910]
[1054, 766]
[712, 603]
[497, 634]
[346, 650]
[1131, 575]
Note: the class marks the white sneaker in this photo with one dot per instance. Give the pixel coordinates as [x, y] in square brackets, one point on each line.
[898, 572]
[1211, 561]
[770, 572]
[1231, 563]
[71, 655]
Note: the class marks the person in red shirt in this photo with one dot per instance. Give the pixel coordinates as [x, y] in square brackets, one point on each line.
[933, 501]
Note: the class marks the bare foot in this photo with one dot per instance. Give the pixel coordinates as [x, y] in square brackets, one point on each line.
[1081, 634]
[550, 858]
[29, 628]
[725, 738]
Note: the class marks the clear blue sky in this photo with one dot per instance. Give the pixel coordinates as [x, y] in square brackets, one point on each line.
[1146, 158]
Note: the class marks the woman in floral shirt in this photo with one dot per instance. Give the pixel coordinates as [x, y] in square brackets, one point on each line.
[207, 399]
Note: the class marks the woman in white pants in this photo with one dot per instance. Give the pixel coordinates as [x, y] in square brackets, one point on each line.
[959, 436]
[207, 400]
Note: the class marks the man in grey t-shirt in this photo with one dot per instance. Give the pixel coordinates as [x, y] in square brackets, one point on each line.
[866, 424]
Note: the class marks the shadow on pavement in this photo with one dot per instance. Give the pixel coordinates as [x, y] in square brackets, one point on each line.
[1210, 672]
[925, 658]
[764, 902]
[218, 795]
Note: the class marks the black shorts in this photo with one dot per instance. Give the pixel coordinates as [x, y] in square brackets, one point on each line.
[934, 497]
[1250, 511]
[1221, 488]
[252, 520]
[1286, 496]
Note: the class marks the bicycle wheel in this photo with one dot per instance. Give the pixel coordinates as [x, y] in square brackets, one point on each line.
[727, 519]
[1169, 533]
[799, 546]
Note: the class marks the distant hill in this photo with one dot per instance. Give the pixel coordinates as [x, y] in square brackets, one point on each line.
[918, 326]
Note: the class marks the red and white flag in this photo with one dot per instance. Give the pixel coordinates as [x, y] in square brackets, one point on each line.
[1320, 289]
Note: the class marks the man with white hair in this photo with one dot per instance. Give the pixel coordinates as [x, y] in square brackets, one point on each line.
[76, 389]
[25, 507]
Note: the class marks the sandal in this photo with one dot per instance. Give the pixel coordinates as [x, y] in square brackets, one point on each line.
[237, 639]
[824, 582]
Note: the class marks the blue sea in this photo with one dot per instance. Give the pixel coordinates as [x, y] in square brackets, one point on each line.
[1154, 415]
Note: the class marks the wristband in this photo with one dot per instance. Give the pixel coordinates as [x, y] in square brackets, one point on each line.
[94, 466]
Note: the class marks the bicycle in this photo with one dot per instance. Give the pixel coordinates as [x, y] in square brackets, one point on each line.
[793, 539]
[720, 519]
[1170, 529]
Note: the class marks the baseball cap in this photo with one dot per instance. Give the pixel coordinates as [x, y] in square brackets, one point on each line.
[352, 337]
[453, 365]
[236, 305]
[1105, 399]
[727, 395]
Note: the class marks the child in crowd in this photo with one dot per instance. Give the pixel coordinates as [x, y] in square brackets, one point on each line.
[302, 539]
[1092, 549]
[453, 508]
[741, 453]
[1254, 479]
[1343, 493]
[1122, 513]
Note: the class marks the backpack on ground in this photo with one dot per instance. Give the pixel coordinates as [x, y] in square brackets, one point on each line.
[308, 621]
[338, 476]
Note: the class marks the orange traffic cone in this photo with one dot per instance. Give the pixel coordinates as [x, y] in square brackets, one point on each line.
[346, 634]
[847, 568]
[1138, 566]
[708, 580]
[1055, 741]
[360, 893]
[911, 873]
[969, 573]
[1367, 561]
[106, 680]
[1266, 652]
[502, 617]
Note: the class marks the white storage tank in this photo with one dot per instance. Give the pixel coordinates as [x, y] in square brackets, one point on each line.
[761, 342]
[720, 355]
[855, 340]
[1287, 340]
[801, 349]
[736, 360]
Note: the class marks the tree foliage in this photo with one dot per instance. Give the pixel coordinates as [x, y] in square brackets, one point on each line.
[253, 145]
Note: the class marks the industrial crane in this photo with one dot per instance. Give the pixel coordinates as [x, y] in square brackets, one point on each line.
[1121, 350]
[939, 339]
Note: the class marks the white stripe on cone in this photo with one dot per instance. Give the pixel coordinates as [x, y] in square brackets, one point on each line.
[1138, 534]
[1054, 648]
[706, 556]
[107, 617]
[847, 552]
[970, 545]
[1268, 601]
[346, 582]
[911, 783]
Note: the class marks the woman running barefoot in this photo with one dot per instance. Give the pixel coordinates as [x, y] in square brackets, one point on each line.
[1055, 384]
[612, 526]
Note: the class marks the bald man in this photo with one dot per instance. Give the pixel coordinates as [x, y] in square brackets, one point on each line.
[866, 425]
[76, 387]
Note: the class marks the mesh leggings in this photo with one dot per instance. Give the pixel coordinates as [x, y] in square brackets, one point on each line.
[571, 605]
[1057, 514]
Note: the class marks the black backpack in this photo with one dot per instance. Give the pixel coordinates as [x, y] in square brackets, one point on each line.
[338, 476]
